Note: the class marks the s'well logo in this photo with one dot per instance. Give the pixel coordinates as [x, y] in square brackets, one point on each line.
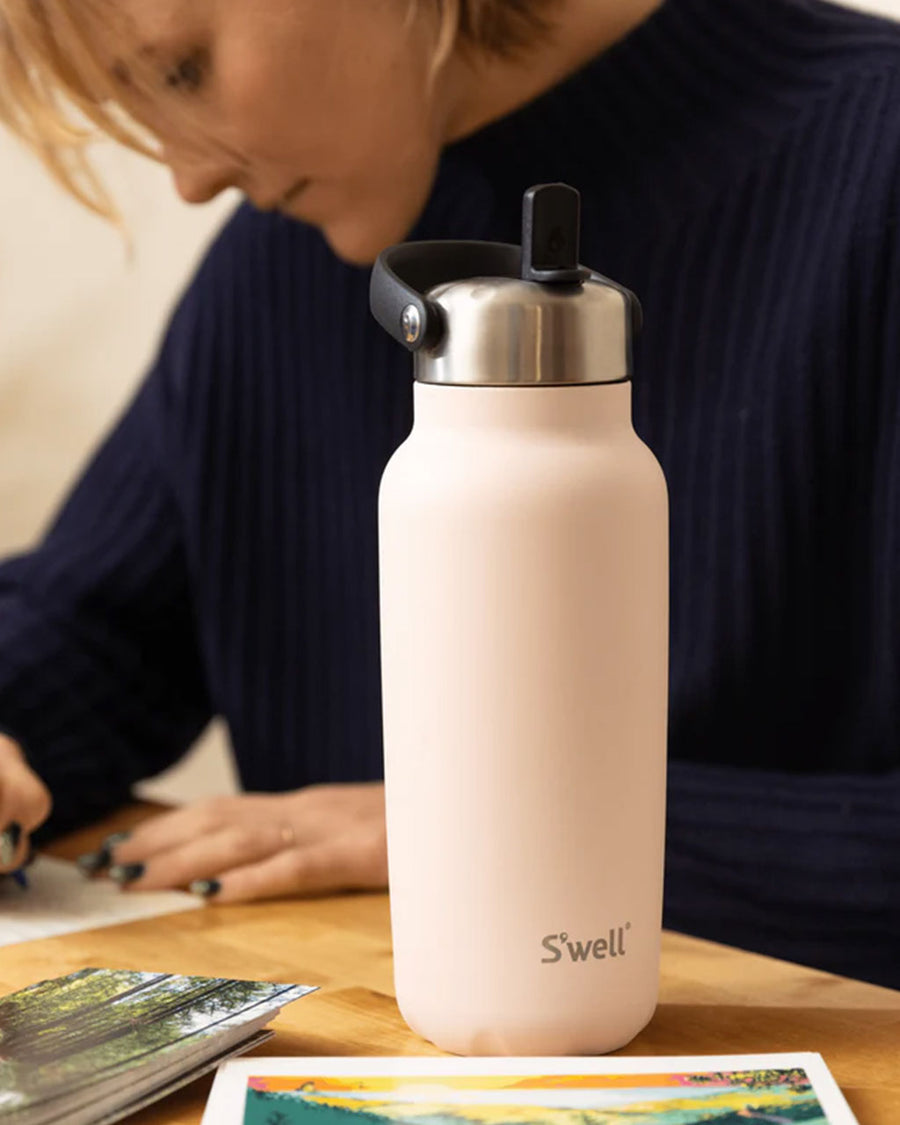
[598, 949]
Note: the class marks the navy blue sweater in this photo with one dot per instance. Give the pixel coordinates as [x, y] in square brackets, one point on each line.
[739, 165]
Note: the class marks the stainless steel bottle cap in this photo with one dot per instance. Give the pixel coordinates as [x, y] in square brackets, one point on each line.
[506, 332]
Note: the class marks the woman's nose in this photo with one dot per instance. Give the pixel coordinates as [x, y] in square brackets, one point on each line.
[199, 181]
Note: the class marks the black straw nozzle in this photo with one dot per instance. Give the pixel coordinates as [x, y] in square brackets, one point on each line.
[551, 235]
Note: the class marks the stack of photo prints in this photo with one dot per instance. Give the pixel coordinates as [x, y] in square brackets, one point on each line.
[97, 1045]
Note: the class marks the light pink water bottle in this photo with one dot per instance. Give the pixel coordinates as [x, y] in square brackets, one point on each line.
[524, 622]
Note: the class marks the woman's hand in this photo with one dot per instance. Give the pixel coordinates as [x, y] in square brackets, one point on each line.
[315, 840]
[25, 804]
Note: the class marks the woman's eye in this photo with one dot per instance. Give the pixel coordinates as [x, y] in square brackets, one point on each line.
[190, 72]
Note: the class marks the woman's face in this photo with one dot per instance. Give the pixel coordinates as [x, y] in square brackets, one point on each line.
[320, 108]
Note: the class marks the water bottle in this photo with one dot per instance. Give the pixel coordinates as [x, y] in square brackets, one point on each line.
[523, 549]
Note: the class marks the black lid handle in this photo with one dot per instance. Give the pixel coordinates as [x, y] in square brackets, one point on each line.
[404, 273]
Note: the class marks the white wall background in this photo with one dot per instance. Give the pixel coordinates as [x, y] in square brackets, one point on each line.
[81, 313]
[79, 321]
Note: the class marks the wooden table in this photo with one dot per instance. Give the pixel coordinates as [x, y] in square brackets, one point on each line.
[713, 999]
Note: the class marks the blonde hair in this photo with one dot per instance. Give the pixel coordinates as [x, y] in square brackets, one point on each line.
[57, 97]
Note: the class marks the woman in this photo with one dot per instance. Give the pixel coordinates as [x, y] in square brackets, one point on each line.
[738, 164]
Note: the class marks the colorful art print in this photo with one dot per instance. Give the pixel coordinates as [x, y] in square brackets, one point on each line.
[726, 1097]
[457, 1092]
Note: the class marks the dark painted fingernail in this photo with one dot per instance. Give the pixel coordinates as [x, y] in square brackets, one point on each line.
[126, 872]
[9, 843]
[205, 887]
[92, 862]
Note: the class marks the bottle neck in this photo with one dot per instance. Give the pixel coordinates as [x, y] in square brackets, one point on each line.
[587, 408]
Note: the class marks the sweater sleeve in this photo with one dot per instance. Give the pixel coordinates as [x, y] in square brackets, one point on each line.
[802, 867]
[100, 676]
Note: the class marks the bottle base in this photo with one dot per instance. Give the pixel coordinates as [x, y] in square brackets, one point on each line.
[525, 1038]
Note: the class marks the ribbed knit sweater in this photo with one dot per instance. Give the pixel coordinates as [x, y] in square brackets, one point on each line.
[739, 163]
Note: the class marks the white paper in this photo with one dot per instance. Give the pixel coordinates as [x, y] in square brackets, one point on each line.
[228, 1095]
[60, 900]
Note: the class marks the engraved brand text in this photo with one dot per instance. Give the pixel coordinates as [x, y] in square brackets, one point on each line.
[560, 946]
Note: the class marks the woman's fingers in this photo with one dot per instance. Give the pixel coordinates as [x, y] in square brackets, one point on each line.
[258, 813]
[25, 804]
[323, 838]
[352, 863]
[165, 832]
[199, 858]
